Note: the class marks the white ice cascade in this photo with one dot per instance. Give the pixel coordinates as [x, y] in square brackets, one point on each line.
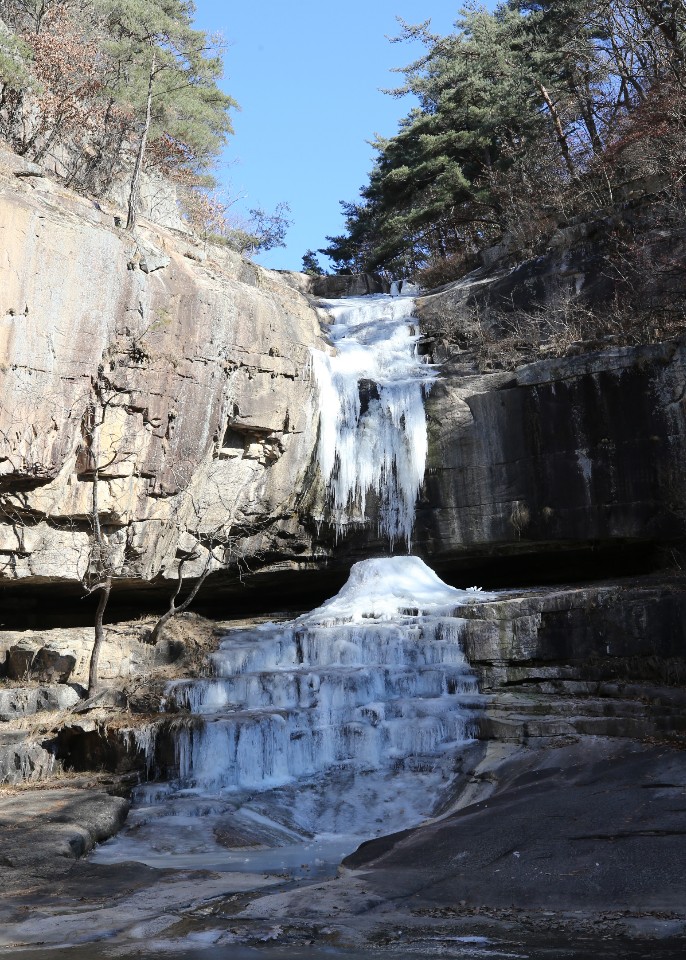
[343, 724]
[372, 425]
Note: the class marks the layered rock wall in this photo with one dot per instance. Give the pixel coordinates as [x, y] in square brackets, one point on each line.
[559, 454]
[187, 367]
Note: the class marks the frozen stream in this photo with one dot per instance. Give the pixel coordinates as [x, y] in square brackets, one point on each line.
[309, 737]
[314, 735]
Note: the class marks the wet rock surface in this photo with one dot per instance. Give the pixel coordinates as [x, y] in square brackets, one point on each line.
[586, 837]
[49, 896]
[596, 827]
[543, 848]
[567, 822]
[561, 454]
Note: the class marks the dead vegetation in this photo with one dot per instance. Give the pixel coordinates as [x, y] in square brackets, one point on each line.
[621, 283]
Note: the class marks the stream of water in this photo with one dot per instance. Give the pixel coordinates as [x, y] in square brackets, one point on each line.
[372, 426]
[311, 736]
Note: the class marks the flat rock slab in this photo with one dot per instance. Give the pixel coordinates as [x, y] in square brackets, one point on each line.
[588, 836]
[49, 897]
[586, 829]
[42, 830]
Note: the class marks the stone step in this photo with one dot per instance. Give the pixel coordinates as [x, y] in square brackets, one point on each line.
[513, 719]
[557, 704]
[380, 645]
[399, 708]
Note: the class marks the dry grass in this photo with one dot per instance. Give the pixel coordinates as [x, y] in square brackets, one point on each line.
[500, 338]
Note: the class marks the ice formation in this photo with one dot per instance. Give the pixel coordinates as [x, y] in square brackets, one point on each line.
[372, 425]
[343, 723]
[389, 588]
[372, 676]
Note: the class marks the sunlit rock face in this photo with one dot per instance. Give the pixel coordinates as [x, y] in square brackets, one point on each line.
[195, 364]
[350, 720]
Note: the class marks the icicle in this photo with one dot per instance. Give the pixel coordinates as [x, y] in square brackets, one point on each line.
[372, 425]
[145, 739]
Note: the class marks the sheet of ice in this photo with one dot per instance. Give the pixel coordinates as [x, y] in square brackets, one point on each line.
[372, 425]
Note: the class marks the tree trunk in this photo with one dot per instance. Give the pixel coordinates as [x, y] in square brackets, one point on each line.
[134, 194]
[105, 589]
[559, 131]
[103, 568]
[587, 107]
[173, 609]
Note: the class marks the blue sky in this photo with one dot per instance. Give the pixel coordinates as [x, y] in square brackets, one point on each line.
[308, 76]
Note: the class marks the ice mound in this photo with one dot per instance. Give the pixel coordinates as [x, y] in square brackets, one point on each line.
[388, 588]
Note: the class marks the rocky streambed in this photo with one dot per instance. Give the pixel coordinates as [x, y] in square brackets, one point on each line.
[561, 832]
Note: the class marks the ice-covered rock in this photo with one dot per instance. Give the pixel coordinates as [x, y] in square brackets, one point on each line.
[348, 720]
[372, 426]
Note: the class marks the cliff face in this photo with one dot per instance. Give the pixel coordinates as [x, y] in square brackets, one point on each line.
[196, 365]
[577, 451]
[192, 364]
[558, 455]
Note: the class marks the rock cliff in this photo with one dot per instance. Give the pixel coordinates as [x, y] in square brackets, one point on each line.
[191, 363]
[184, 369]
[570, 453]
[195, 363]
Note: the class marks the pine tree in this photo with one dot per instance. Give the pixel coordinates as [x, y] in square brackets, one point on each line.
[166, 72]
[518, 106]
[310, 264]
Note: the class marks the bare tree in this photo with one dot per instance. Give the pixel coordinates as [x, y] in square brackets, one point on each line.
[217, 546]
[101, 568]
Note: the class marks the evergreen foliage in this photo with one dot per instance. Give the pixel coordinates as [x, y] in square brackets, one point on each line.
[311, 264]
[518, 112]
[165, 72]
[117, 84]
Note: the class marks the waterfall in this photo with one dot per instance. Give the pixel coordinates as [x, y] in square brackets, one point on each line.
[372, 426]
[371, 678]
[344, 723]
[349, 721]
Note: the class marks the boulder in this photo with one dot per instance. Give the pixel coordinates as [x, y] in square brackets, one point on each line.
[25, 662]
[23, 759]
[24, 701]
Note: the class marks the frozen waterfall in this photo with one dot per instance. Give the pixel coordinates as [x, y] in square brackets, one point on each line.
[372, 426]
[340, 725]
